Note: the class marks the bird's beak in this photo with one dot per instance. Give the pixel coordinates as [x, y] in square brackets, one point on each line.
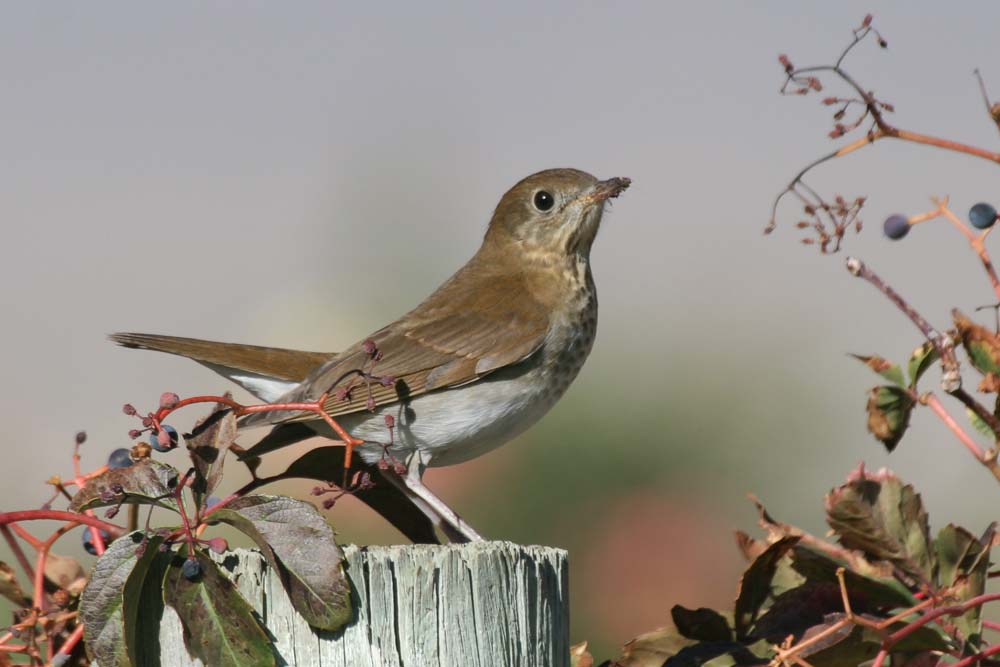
[603, 190]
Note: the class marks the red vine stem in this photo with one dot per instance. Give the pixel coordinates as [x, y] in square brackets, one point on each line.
[59, 515]
[316, 407]
[71, 641]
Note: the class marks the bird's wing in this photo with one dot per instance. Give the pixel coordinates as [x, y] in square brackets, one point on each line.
[474, 324]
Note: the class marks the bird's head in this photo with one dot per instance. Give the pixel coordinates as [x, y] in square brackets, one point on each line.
[556, 211]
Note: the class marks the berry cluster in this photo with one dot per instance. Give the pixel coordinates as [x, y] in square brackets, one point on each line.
[981, 216]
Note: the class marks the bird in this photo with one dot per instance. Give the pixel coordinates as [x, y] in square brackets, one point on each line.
[475, 364]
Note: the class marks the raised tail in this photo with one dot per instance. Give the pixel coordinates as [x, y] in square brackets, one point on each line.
[266, 372]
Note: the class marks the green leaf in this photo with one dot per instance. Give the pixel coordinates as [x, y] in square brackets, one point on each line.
[208, 444]
[922, 358]
[101, 602]
[978, 423]
[890, 371]
[704, 653]
[796, 610]
[963, 562]
[889, 410]
[10, 588]
[755, 584]
[885, 519]
[142, 603]
[299, 543]
[145, 482]
[981, 344]
[855, 644]
[702, 624]
[219, 626]
[925, 638]
[846, 646]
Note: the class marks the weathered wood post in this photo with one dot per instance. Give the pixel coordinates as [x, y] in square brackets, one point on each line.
[488, 604]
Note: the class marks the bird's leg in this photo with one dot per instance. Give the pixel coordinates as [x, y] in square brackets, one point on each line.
[445, 518]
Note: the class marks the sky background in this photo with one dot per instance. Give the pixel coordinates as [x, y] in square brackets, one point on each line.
[300, 174]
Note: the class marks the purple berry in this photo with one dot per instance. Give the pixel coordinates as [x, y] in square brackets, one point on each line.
[165, 440]
[982, 215]
[120, 458]
[88, 540]
[191, 569]
[896, 226]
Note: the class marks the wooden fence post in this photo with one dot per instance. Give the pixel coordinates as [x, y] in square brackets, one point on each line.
[488, 604]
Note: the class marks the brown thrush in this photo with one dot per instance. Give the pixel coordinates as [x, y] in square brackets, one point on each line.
[475, 364]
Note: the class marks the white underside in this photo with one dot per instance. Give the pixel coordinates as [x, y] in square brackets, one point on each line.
[454, 425]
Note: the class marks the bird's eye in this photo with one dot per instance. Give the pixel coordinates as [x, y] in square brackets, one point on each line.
[544, 200]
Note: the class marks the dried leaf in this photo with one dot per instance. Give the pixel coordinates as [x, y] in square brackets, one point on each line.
[748, 546]
[981, 344]
[963, 562]
[299, 543]
[795, 611]
[146, 482]
[652, 649]
[889, 410]
[866, 591]
[9, 586]
[702, 624]
[219, 626]
[65, 572]
[885, 519]
[890, 371]
[208, 444]
[579, 656]
[101, 602]
[755, 585]
[922, 358]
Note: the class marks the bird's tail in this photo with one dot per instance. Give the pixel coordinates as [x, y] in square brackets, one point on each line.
[266, 372]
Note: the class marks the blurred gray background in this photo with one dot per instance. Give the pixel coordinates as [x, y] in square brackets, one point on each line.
[299, 174]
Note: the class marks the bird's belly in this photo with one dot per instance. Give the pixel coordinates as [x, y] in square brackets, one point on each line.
[458, 424]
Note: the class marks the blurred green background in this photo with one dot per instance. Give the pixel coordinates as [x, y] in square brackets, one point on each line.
[297, 175]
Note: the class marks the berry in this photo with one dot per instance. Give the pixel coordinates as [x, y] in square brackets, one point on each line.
[896, 226]
[191, 569]
[88, 540]
[218, 545]
[165, 440]
[982, 215]
[168, 400]
[120, 458]
[211, 502]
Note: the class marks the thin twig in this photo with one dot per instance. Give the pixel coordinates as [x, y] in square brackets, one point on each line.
[931, 401]
[22, 559]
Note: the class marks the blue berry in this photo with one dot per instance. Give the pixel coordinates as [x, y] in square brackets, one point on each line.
[982, 215]
[120, 458]
[191, 569]
[88, 540]
[165, 446]
[896, 226]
